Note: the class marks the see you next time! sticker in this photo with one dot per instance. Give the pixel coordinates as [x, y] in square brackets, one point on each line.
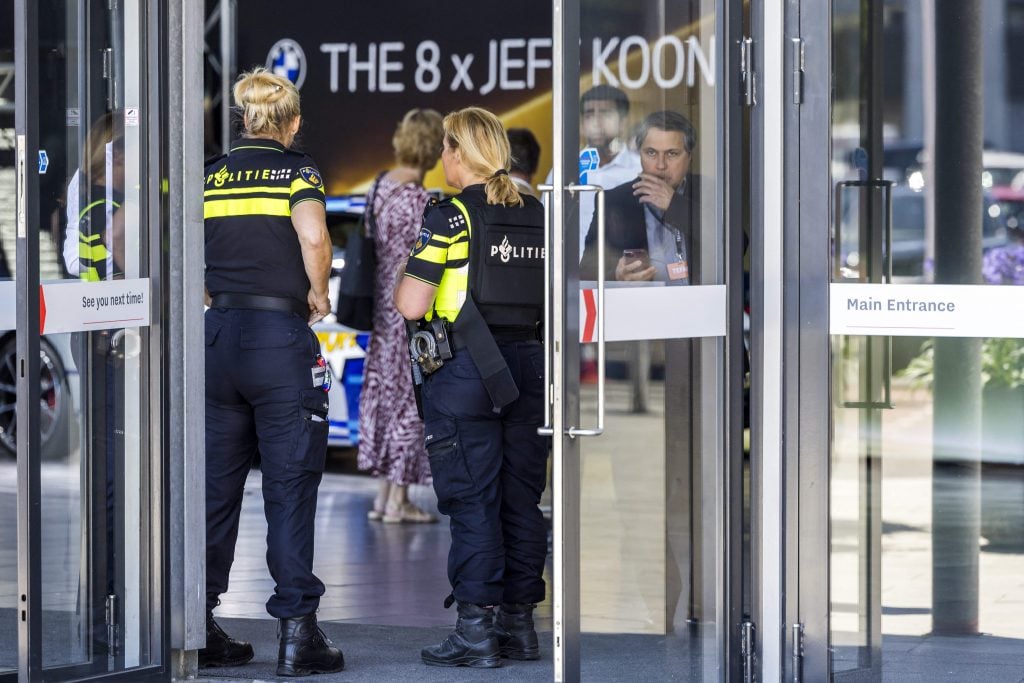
[926, 310]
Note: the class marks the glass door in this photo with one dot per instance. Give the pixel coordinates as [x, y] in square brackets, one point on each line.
[8, 372]
[645, 338]
[920, 575]
[84, 433]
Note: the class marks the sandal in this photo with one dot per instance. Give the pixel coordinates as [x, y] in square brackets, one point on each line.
[376, 513]
[407, 512]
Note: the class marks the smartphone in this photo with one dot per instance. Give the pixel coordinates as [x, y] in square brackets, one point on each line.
[637, 255]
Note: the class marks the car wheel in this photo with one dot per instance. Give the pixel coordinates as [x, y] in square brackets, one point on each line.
[53, 400]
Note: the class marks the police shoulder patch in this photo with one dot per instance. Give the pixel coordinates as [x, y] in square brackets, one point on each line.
[311, 176]
[422, 241]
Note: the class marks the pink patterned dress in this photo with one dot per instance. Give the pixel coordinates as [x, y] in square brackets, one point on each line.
[390, 431]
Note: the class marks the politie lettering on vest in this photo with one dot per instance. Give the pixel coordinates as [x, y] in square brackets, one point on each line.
[507, 251]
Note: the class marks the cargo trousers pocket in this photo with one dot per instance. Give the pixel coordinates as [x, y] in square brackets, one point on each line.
[452, 480]
[211, 331]
[311, 440]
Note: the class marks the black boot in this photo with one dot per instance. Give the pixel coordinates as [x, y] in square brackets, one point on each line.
[305, 649]
[472, 643]
[221, 649]
[513, 627]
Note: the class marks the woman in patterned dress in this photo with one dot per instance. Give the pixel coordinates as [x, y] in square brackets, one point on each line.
[390, 431]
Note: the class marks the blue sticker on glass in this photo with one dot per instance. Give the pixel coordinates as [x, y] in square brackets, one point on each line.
[311, 176]
[590, 159]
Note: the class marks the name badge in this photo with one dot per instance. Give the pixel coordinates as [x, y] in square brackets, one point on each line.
[678, 271]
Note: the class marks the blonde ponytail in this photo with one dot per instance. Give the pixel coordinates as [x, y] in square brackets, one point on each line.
[483, 143]
[268, 103]
[501, 190]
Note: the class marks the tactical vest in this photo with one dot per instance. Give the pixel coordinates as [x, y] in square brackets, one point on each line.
[506, 259]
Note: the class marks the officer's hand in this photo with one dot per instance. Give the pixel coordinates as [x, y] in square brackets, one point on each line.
[633, 269]
[319, 306]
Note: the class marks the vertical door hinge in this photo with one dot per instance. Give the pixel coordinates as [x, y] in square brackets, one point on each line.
[747, 650]
[798, 70]
[109, 77]
[798, 653]
[113, 627]
[748, 94]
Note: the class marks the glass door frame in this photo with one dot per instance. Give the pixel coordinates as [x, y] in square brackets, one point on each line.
[27, 288]
[721, 360]
[804, 195]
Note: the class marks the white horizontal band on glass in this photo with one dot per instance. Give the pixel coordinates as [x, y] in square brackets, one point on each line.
[76, 306]
[926, 310]
[652, 311]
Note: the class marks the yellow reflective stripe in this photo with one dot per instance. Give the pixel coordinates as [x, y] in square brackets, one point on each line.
[96, 203]
[94, 253]
[246, 190]
[87, 238]
[89, 275]
[300, 184]
[222, 208]
[432, 254]
[464, 235]
[458, 251]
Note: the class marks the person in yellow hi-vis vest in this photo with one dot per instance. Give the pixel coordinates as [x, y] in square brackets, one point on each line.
[94, 240]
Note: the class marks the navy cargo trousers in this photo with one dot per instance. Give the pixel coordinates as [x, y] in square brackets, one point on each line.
[489, 471]
[260, 398]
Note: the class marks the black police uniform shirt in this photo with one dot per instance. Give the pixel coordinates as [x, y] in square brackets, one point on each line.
[251, 244]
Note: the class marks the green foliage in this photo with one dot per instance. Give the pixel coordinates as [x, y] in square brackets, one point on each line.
[1002, 364]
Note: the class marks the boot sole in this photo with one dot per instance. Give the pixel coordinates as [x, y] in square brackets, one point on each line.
[472, 662]
[221, 663]
[296, 673]
[521, 655]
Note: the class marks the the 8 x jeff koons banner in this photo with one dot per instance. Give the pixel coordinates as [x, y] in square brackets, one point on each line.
[361, 65]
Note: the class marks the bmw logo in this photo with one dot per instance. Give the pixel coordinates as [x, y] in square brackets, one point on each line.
[287, 59]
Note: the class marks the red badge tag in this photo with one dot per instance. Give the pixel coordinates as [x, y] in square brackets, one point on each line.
[678, 271]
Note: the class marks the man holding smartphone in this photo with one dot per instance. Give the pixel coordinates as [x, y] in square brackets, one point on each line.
[652, 220]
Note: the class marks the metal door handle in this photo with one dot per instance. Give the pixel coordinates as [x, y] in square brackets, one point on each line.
[598, 430]
[20, 180]
[546, 429]
[868, 258]
[868, 273]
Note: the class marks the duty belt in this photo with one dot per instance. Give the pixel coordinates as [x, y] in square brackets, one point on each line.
[262, 303]
[500, 336]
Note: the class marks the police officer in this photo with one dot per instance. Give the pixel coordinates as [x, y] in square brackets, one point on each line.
[476, 279]
[268, 258]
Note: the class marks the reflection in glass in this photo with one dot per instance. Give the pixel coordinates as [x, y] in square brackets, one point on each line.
[927, 452]
[649, 539]
[97, 538]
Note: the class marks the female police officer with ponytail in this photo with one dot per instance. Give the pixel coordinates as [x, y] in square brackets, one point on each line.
[268, 258]
[475, 283]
